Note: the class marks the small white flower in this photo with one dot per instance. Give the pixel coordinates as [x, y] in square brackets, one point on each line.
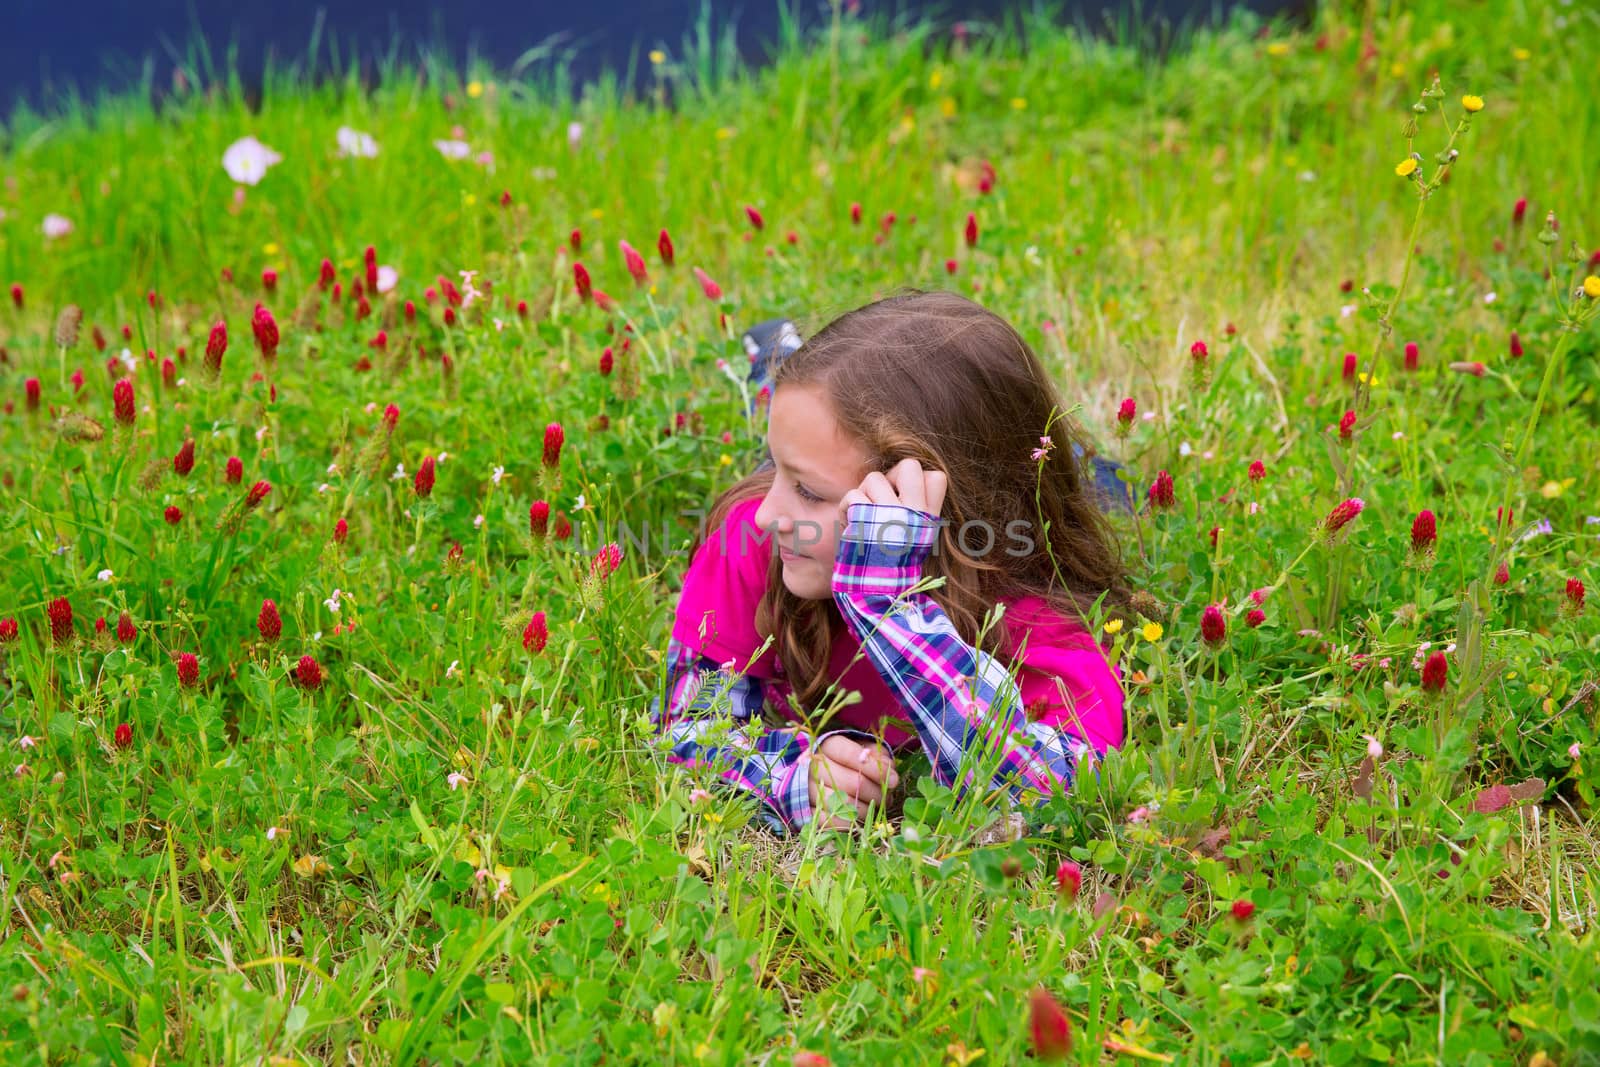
[496, 474]
[579, 505]
[456, 778]
[57, 226]
[1207, 454]
[247, 159]
[324, 487]
[182, 382]
[105, 575]
[1398, 435]
[1374, 747]
[333, 469]
[1575, 750]
[333, 602]
[499, 325]
[273, 832]
[1255, 507]
[453, 149]
[317, 636]
[372, 405]
[574, 134]
[1149, 416]
[1185, 449]
[442, 456]
[388, 278]
[1489, 298]
[1308, 175]
[454, 669]
[1347, 310]
[26, 742]
[355, 143]
[261, 434]
[477, 521]
[399, 472]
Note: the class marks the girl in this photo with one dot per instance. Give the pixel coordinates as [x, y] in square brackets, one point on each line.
[916, 437]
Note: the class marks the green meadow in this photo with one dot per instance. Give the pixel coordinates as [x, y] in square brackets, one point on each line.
[396, 820]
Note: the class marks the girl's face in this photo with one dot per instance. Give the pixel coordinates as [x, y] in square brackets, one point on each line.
[816, 466]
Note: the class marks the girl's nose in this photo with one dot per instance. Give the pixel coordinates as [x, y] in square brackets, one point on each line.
[767, 516]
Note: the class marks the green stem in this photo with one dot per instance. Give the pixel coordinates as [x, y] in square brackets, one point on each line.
[1502, 519]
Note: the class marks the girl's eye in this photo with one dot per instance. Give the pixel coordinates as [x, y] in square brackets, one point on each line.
[808, 497]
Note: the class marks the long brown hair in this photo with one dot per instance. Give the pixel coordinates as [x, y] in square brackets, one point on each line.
[941, 379]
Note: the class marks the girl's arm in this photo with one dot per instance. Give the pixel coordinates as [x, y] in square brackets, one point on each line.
[775, 767]
[958, 697]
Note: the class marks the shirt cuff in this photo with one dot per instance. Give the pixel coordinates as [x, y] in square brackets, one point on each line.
[792, 795]
[883, 548]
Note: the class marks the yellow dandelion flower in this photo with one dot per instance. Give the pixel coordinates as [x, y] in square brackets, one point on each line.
[1113, 626]
[936, 79]
[657, 57]
[725, 460]
[726, 132]
[1521, 55]
[1551, 489]
[1152, 631]
[1406, 167]
[597, 213]
[1019, 103]
[270, 248]
[1278, 48]
[947, 107]
[1397, 70]
[1367, 379]
[469, 200]
[1591, 287]
[1472, 103]
[474, 89]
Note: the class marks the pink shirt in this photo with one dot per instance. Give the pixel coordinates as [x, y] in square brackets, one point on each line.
[1062, 675]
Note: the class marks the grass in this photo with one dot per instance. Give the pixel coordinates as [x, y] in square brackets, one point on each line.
[269, 869]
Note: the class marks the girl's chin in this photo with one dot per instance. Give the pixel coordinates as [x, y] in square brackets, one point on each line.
[804, 585]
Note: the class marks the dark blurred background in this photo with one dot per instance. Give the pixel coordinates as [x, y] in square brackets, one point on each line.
[49, 48]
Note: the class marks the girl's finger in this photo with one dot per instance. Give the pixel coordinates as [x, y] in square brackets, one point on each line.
[907, 478]
[847, 780]
[937, 483]
[871, 760]
[878, 490]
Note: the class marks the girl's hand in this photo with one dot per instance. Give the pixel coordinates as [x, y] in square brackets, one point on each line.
[906, 484]
[862, 774]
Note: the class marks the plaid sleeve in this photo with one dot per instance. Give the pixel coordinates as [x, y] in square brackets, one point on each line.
[962, 700]
[709, 713]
